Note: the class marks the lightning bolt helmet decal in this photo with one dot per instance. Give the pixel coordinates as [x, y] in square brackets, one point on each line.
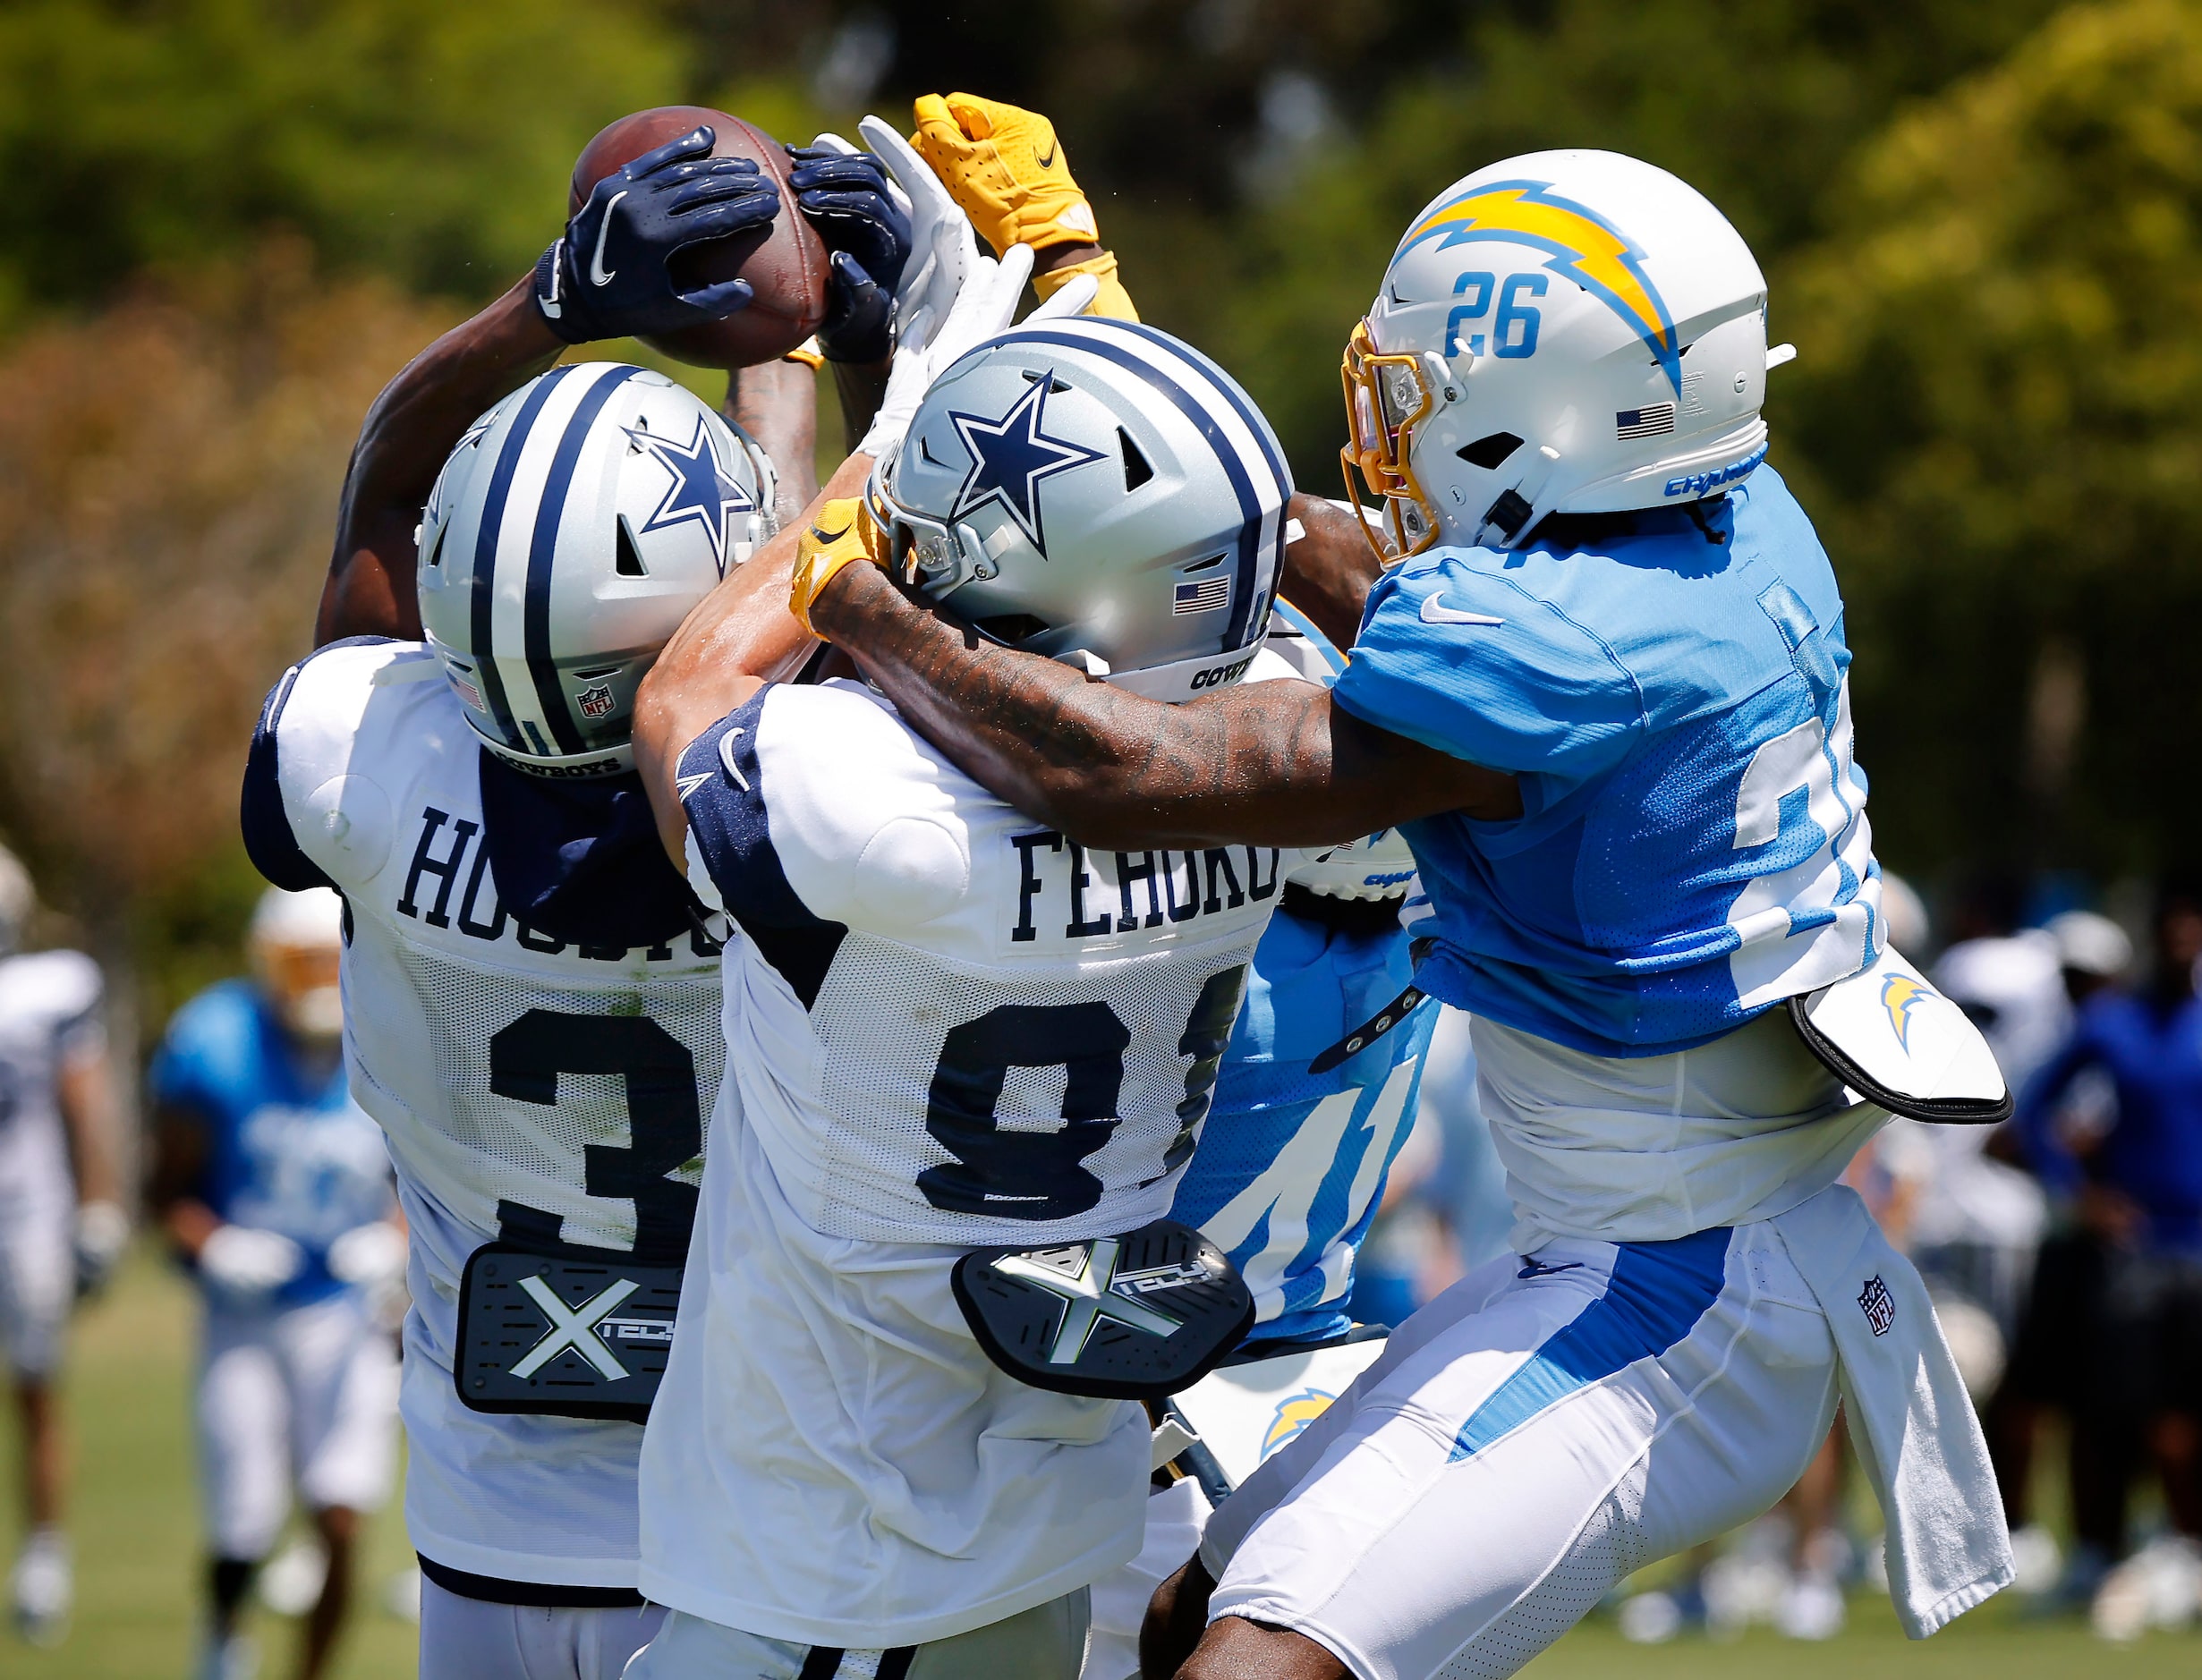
[1582, 246]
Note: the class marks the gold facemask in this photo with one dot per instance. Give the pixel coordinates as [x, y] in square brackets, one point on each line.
[1387, 397]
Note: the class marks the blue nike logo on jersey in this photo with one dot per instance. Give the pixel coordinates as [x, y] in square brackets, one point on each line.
[1537, 1269]
[1435, 612]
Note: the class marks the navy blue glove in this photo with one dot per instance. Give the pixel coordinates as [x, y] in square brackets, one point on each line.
[607, 278]
[844, 196]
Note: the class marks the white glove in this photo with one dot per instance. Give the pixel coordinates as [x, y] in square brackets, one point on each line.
[369, 1256]
[102, 1233]
[249, 1260]
[943, 247]
[983, 309]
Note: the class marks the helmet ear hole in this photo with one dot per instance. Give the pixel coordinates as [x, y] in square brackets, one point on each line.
[1489, 451]
[627, 562]
[1136, 471]
[436, 554]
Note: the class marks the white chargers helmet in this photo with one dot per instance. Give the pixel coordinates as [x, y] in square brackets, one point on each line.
[1565, 332]
[570, 533]
[295, 944]
[1096, 491]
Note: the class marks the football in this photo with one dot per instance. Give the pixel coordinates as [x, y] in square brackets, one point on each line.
[786, 263]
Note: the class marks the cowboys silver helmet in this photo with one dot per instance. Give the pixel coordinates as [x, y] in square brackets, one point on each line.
[1565, 332]
[572, 529]
[1098, 491]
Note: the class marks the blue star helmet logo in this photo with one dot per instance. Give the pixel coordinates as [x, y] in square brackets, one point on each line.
[701, 491]
[1010, 456]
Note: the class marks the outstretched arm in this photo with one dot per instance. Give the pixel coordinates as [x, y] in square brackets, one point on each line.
[776, 403]
[408, 431]
[1268, 764]
[643, 213]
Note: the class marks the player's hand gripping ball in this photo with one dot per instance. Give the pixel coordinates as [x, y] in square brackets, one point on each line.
[1005, 166]
[846, 199]
[722, 278]
[843, 533]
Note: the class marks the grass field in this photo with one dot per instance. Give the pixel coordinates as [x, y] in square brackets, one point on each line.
[137, 1560]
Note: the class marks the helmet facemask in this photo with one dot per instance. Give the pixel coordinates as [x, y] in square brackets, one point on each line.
[1388, 397]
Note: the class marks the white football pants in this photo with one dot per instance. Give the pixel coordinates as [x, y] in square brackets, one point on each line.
[306, 1397]
[1044, 1642]
[1175, 1515]
[1539, 1431]
[37, 1284]
[468, 1639]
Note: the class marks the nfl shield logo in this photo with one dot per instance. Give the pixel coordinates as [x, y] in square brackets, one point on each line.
[1879, 1304]
[595, 701]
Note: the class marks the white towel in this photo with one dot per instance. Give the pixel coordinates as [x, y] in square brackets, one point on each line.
[1911, 1418]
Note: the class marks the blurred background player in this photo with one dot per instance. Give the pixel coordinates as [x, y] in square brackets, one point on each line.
[2136, 1190]
[273, 1189]
[62, 1228]
[2055, 1343]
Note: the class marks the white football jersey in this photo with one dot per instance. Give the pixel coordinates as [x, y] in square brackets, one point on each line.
[530, 1088]
[949, 1027]
[49, 1008]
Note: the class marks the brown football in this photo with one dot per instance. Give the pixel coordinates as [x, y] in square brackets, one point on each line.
[786, 263]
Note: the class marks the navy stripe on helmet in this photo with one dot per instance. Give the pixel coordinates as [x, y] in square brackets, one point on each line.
[483, 603]
[542, 554]
[1254, 422]
[1234, 469]
[1236, 398]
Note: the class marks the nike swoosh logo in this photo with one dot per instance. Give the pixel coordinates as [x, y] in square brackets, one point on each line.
[1435, 612]
[830, 535]
[550, 305]
[1048, 162]
[1538, 1269]
[598, 275]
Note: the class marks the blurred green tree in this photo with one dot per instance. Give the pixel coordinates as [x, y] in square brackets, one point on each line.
[426, 140]
[1757, 102]
[1999, 397]
[167, 473]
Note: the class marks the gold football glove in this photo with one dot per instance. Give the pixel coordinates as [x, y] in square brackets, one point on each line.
[1005, 167]
[1111, 299]
[843, 532]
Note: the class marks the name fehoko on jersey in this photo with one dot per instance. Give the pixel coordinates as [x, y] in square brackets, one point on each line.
[532, 1089]
[950, 1028]
[1095, 898]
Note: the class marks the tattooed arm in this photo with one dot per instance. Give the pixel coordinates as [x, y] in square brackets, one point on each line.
[1267, 764]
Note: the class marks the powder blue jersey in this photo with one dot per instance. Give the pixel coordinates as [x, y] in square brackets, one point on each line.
[1694, 844]
[1291, 1164]
[285, 1152]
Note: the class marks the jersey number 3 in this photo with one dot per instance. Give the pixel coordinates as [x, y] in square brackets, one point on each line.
[665, 1119]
